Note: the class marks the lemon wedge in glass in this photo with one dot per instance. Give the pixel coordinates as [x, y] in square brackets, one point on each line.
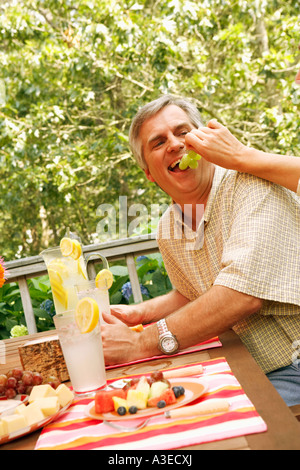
[87, 314]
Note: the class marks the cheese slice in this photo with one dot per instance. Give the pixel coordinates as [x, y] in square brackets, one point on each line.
[13, 423]
[48, 405]
[41, 391]
[32, 413]
[65, 395]
[3, 428]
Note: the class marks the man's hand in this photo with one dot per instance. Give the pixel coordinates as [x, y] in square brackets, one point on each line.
[120, 343]
[128, 314]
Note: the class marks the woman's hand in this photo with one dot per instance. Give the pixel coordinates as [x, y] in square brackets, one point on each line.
[217, 145]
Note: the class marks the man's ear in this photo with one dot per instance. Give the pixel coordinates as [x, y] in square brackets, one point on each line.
[149, 176]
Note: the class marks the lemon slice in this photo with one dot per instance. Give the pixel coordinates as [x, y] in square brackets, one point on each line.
[104, 279]
[81, 268]
[87, 314]
[66, 246]
[76, 252]
[61, 295]
[54, 277]
[59, 266]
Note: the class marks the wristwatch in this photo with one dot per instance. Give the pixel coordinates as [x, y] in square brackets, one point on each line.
[168, 343]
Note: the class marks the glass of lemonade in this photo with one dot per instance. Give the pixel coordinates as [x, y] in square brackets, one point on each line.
[83, 354]
[89, 289]
[64, 273]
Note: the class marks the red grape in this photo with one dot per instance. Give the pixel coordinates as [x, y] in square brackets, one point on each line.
[53, 381]
[28, 389]
[11, 382]
[2, 390]
[3, 379]
[21, 388]
[17, 373]
[27, 377]
[10, 393]
[37, 378]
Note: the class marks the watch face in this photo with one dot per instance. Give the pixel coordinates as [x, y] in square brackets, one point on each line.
[168, 345]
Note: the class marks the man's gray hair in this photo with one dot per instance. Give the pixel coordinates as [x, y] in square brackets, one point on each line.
[150, 110]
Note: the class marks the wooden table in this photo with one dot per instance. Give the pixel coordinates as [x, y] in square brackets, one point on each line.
[283, 428]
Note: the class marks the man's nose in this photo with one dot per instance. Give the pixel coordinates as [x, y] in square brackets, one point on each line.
[175, 143]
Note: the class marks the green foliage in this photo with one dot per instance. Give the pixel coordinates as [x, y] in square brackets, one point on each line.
[75, 72]
[11, 310]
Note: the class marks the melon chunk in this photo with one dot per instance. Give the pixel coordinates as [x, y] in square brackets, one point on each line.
[104, 400]
[167, 395]
[157, 388]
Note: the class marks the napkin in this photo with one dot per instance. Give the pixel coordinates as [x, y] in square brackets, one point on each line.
[75, 431]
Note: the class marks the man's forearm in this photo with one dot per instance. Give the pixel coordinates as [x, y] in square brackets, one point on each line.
[210, 315]
[161, 306]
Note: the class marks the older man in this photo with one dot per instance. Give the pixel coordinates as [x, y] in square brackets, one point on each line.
[230, 243]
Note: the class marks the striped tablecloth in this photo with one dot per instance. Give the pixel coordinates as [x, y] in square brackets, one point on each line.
[75, 431]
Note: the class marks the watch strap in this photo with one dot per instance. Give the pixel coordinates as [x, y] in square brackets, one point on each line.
[162, 327]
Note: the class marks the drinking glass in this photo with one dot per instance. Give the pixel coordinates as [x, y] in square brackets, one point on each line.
[83, 354]
[89, 289]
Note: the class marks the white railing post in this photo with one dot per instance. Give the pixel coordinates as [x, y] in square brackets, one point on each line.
[27, 305]
[134, 280]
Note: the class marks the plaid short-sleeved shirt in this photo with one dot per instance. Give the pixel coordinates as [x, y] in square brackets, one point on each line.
[249, 241]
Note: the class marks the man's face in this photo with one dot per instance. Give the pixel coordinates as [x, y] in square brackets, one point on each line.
[163, 143]
[297, 79]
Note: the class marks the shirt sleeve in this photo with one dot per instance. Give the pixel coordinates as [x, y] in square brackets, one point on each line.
[298, 189]
[261, 256]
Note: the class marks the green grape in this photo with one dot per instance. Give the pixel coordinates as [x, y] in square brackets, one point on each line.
[192, 155]
[184, 163]
[193, 164]
[189, 159]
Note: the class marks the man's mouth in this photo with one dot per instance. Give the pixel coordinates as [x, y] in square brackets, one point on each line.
[174, 167]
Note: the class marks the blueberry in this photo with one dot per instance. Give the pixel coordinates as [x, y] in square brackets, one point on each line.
[161, 404]
[132, 410]
[121, 410]
[178, 391]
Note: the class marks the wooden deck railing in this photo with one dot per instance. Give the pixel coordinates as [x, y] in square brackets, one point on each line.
[34, 266]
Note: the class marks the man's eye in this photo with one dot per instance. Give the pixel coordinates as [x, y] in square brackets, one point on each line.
[158, 143]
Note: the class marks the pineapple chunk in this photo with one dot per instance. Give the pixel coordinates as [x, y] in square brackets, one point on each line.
[137, 398]
[143, 386]
[120, 402]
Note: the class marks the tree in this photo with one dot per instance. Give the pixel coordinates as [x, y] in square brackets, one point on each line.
[75, 72]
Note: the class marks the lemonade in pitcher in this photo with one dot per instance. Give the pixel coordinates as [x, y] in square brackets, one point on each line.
[66, 268]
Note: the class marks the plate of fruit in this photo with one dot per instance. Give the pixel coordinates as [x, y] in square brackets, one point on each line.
[145, 396]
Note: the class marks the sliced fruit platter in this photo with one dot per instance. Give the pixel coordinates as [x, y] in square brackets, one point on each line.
[145, 396]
